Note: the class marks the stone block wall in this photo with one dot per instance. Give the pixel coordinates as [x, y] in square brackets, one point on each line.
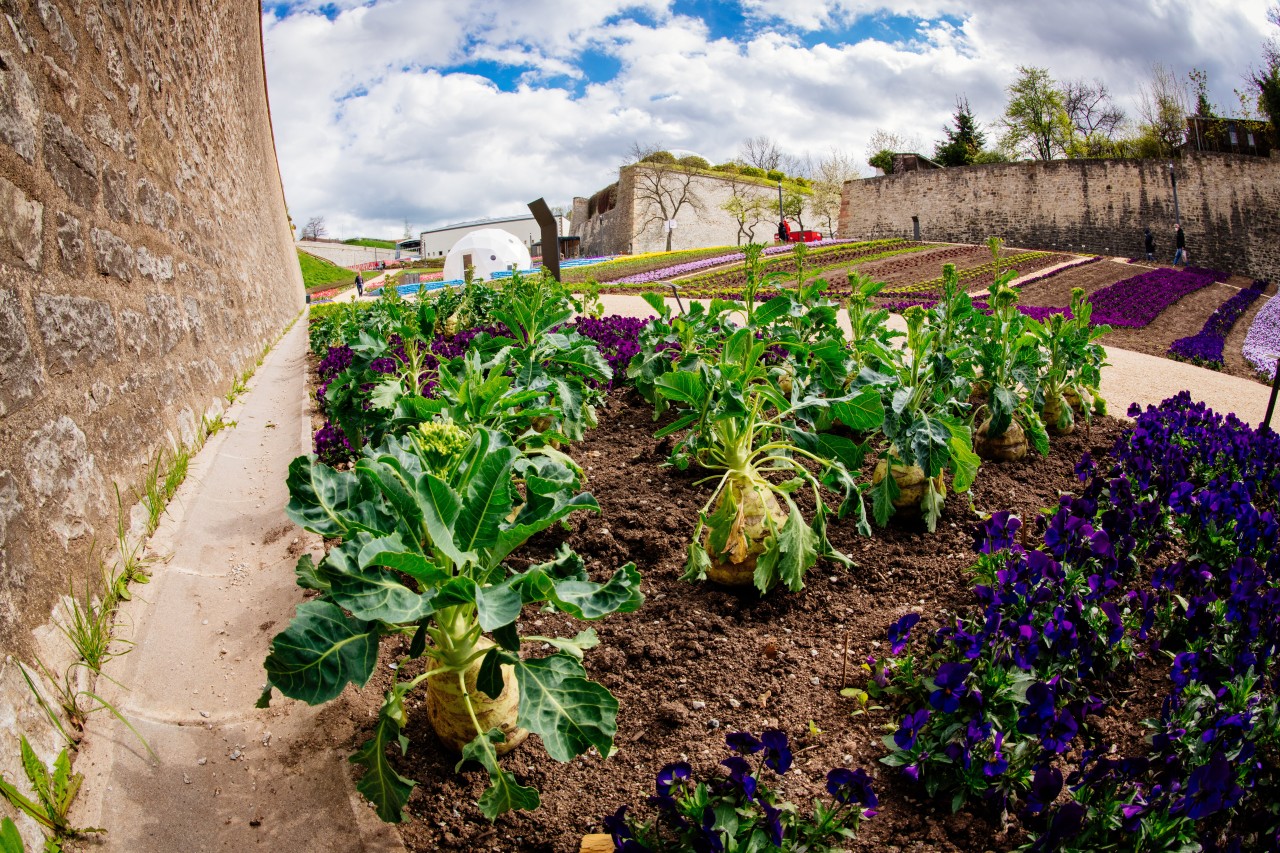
[1230, 206]
[145, 260]
[623, 227]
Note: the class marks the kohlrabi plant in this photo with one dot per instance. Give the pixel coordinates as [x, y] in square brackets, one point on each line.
[425, 523]
[926, 436]
[548, 357]
[742, 428]
[677, 341]
[1073, 364]
[1010, 361]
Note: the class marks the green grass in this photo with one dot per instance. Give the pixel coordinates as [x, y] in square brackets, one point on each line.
[371, 243]
[317, 273]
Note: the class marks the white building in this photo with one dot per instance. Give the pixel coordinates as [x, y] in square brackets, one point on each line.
[437, 242]
[486, 251]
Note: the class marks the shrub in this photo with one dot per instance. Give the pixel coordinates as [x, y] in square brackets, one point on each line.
[775, 175]
[751, 171]
[731, 168]
[659, 157]
[693, 161]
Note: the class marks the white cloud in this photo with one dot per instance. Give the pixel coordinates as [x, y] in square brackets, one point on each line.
[374, 127]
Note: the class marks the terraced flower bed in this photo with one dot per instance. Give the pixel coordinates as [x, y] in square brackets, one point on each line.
[1262, 344]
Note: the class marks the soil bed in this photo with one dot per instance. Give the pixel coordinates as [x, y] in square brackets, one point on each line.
[697, 661]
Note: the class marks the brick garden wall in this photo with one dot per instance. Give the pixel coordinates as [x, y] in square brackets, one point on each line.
[145, 260]
[1230, 207]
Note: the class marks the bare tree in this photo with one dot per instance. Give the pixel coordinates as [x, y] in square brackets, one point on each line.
[1091, 109]
[314, 229]
[885, 143]
[662, 189]
[1163, 106]
[761, 152]
[829, 174]
[747, 205]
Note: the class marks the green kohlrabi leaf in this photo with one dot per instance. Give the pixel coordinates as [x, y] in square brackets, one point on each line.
[320, 651]
[376, 595]
[964, 462]
[381, 784]
[487, 501]
[882, 497]
[862, 413]
[504, 793]
[329, 502]
[308, 577]
[797, 548]
[585, 599]
[559, 704]
[440, 508]
[685, 387]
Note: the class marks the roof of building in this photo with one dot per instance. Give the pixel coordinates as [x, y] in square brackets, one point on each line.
[475, 222]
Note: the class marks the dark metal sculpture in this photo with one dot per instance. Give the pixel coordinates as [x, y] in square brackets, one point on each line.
[550, 237]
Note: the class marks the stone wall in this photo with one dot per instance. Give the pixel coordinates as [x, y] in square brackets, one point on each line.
[145, 261]
[1230, 207]
[627, 225]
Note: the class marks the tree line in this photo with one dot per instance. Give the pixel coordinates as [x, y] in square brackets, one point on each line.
[1047, 119]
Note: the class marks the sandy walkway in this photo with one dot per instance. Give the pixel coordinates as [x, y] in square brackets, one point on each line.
[229, 777]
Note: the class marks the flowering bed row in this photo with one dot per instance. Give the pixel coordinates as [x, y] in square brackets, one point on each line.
[1084, 262]
[1262, 343]
[626, 265]
[968, 275]
[1135, 302]
[1008, 696]
[674, 271]
[1205, 347]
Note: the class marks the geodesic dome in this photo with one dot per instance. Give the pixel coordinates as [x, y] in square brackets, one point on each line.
[489, 250]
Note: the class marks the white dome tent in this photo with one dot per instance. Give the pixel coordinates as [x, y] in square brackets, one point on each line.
[489, 250]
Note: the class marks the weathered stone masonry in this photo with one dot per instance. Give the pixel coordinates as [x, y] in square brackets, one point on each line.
[145, 260]
[1230, 207]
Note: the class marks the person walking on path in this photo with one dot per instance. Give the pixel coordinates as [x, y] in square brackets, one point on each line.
[1150, 243]
[1180, 256]
[359, 285]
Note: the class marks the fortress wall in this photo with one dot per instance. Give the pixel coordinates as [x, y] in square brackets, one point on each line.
[146, 260]
[1230, 207]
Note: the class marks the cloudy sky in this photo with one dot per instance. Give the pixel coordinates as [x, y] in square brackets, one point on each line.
[437, 111]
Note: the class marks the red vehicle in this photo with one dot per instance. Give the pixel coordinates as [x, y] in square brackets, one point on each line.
[786, 235]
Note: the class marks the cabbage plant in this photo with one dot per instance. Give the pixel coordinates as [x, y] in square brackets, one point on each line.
[424, 524]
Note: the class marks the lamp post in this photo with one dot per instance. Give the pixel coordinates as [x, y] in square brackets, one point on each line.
[1173, 179]
[781, 219]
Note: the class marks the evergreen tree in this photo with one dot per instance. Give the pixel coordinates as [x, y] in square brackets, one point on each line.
[963, 143]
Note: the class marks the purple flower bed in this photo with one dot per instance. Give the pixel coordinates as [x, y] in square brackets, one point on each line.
[1207, 344]
[693, 266]
[617, 337]
[1262, 344]
[1136, 301]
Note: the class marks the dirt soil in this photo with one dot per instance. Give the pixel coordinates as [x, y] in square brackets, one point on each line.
[699, 660]
[1184, 318]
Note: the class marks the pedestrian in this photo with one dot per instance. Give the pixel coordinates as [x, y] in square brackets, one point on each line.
[1180, 256]
[1150, 241]
[359, 285]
